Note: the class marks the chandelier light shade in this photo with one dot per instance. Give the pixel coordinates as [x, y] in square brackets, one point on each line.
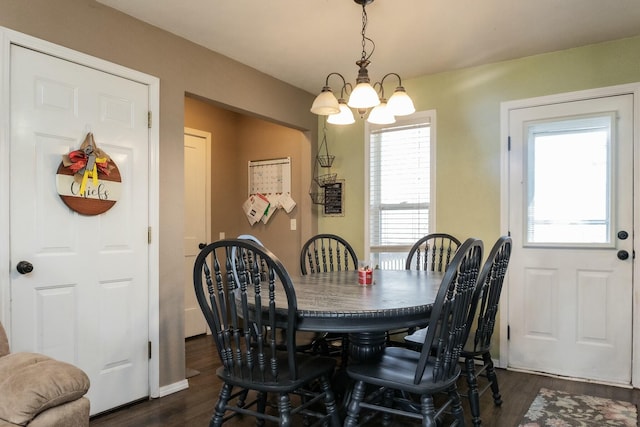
[381, 115]
[344, 117]
[326, 103]
[400, 103]
[364, 96]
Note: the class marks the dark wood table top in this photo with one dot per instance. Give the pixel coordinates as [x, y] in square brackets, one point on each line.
[335, 302]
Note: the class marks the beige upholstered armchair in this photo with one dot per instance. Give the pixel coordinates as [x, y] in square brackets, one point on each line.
[38, 391]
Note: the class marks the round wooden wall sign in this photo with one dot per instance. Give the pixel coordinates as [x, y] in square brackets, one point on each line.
[88, 181]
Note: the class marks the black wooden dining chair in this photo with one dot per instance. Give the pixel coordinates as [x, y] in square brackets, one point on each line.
[478, 345]
[485, 306]
[305, 341]
[238, 314]
[402, 372]
[324, 253]
[432, 252]
[327, 252]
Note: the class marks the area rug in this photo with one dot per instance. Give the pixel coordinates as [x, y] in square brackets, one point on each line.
[560, 409]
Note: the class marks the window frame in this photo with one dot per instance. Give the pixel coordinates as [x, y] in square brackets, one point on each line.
[428, 116]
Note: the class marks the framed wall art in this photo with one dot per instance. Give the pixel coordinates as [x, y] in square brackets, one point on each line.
[334, 198]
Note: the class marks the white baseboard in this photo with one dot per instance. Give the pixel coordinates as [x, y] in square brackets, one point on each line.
[173, 388]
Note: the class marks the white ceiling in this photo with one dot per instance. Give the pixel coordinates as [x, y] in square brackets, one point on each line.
[301, 41]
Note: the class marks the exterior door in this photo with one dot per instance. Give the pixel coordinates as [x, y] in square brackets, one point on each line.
[86, 300]
[571, 219]
[197, 218]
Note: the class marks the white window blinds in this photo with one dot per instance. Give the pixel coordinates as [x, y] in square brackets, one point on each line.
[399, 184]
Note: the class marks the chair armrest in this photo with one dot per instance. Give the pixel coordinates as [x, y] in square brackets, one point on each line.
[31, 383]
[4, 342]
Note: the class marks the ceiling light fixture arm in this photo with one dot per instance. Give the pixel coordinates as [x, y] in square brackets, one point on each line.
[346, 86]
[391, 74]
[380, 84]
[377, 86]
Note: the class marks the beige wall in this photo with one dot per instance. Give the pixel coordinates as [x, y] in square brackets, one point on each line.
[182, 67]
[237, 139]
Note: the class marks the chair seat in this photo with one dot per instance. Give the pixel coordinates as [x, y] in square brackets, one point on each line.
[469, 351]
[416, 339]
[396, 369]
[309, 367]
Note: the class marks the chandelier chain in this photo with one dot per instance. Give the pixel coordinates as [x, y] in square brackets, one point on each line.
[365, 21]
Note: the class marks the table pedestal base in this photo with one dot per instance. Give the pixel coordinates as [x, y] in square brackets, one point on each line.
[366, 346]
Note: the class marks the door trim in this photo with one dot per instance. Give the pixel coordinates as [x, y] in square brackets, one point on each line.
[505, 108]
[10, 37]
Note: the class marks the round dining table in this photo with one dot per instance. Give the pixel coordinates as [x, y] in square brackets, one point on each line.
[336, 302]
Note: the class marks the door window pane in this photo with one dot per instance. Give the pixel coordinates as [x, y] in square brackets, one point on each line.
[569, 185]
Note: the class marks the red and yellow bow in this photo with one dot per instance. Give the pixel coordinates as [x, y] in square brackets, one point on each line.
[87, 161]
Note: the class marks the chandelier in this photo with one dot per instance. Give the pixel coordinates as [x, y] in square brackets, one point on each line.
[364, 95]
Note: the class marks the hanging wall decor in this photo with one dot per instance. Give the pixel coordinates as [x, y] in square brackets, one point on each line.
[334, 199]
[88, 180]
[324, 178]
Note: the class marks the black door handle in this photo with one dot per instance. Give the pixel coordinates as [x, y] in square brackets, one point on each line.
[24, 267]
[202, 245]
[623, 255]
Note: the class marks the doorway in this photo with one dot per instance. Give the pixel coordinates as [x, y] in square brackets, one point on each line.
[569, 190]
[197, 215]
[87, 299]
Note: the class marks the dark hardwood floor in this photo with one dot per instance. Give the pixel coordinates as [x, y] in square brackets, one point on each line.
[194, 406]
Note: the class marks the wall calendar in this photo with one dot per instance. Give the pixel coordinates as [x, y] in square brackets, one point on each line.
[270, 176]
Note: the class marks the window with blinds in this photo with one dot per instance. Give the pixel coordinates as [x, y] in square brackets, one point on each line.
[399, 188]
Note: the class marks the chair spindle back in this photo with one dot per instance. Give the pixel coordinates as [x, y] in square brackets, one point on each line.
[489, 289]
[327, 252]
[432, 252]
[451, 312]
[240, 313]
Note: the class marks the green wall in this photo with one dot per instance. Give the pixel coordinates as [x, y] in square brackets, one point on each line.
[467, 104]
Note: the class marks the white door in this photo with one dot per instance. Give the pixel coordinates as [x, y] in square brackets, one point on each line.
[571, 220]
[197, 218]
[86, 301]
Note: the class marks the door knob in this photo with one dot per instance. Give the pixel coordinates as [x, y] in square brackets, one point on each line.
[202, 245]
[24, 267]
[623, 255]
